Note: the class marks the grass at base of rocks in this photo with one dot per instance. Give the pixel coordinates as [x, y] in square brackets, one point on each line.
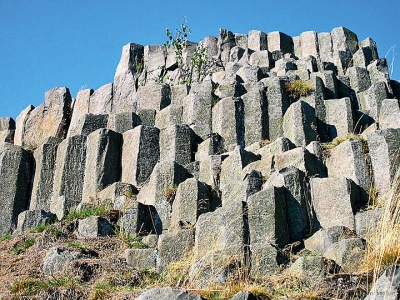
[33, 286]
[86, 212]
[18, 249]
[6, 236]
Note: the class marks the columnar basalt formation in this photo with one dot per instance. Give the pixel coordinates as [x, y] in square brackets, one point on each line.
[227, 170]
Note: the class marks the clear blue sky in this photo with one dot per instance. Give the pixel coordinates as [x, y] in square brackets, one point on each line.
[77, 44]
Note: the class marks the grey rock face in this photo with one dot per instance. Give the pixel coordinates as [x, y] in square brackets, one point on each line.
[255, 115]
[279, 41]
[367, 222]
[51, 118]
[177, 144]
[389, 116]
[173, 247]
[7, 130]
[243, 296]
[30, 219]
[341, 193]
[348, 160]
[214, 145]
[171, 115]
[344, 45]
[210, 170]
[219, 244]
[147, 116]
[347, 253]
[192, 199]
[267, 219]
[140, 153]
[123, 121]
[101, 100]
[153, 96]
[167, 293]
[383, 149]
[103, 162]
[45, 158]
[339, 117]
[93, 227]
[138, 219]
[69, 175]
[309, 266]
[257, 40]
[298, 157]
[166, 176]
[57, 260]
[299, 123]
[372, 99]
[226, 41]
[141, 258]
[88, 123]
[15, 177]
[387, 285]
[81, 107]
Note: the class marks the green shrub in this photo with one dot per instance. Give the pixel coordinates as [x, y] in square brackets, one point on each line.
[298, 88]
[86, 212]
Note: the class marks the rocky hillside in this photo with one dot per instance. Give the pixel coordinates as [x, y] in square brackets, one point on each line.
[252, 164]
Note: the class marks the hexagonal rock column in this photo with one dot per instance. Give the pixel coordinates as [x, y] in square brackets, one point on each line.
[383, 148]
[45, 158]
[334, 201]
[7, 130]
[140, 153]
[339, 117]
[15, 178]
[153, 96]
[88, 123]
[267, 227]
[51, 118]
[166, 176]
[69, 175]
[103, 162]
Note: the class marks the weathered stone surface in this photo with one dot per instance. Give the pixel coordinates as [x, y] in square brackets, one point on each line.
[267, 219]
[154, 58]
[371, 99]
[138, 219]
[299, 123]
[249, 74]
[309, 266]
[283, 66]
[93, 227]
[173, 247]
[192, 199]
[339, 117]
[140, 153]
[51, 118]
[383, 148]
[166, 175]
[197, 108]
[241, 40]
[365, 54]
[324, 238]
[293, 182]
[153, 96]
[228, 120]
[57, 260]
[237, 55]
[280, 145]
[171, 115]
[214, 145]
[177, 144]
[300, 158]
[262, 59]
[348, 160]
[20, 124]
[325, 46]
[226, 41]
[69, 175]
[81, 107]
[359, 78]
[255, 114]
[15, 178]
[219, 244]
[123, 121]
[232, 166]
[7, 130]
[30, 219]
[341, 193]
[120, 195]
[210, 170]
[150, 240]
[167, 293]
[141, 259]
[88, 123]
[178, 94]
[278, 103]
[344, 45]
[347, 253]
[279, 41]
[101, 100]
[309, 43]
[147, 116]
[128, 71]
[389, 116]
[241, 189]
[387, 285]
[103, 162]
[378, 71]
[45, 160]
[257, 40]
[367, 222]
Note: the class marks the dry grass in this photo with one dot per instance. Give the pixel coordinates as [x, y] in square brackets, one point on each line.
[298, 88]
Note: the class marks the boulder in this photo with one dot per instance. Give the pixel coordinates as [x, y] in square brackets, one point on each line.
[339, 118]
[387, 285]
[123, 121]
[7, 130]
[153, 96]
[88, 123]
[347, 253]
[30, 219]
[389, 115]
[57, 260]
[141, 259]
[167, 293]
[171, 115]
[93, 227]
[177, 143]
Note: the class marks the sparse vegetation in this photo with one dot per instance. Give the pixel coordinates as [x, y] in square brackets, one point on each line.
[86, 212]
[39, 228]
[32, 286]
[170, 192]
[78, 245]
[23, 246]
[298, 88]
[340, 140]
[6, 236]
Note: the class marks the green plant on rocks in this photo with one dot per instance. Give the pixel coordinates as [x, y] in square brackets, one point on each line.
[298, 88]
